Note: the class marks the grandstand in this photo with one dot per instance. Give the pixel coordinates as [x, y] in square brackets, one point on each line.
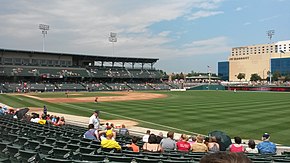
[46, 71]
[24, 141]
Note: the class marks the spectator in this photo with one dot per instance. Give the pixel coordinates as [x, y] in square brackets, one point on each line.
[123, 131]
[224, 157]
[152, 145]
[3, 110]
[35, 118]
[146, 137]
[212, 145]
[60, 121]
[44, 110]
[199, 146]
[168, 143]
[159, 137]
[237, 146]
[134, 146]
[109, 143]
[192, 140]
[94, 119]
[266, 147]
[182, 144]
[251, 147]
[54, 119]
[92, 133]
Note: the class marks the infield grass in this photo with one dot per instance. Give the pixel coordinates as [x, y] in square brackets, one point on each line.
[244, 114]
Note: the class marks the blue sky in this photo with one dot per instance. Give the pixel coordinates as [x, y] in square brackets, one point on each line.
[185, 35]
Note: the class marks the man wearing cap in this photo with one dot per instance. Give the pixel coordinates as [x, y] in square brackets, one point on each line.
[266, 147]
[94, 119]
[109, 142]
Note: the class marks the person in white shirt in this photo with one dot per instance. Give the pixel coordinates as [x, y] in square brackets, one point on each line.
[94, 119]
[146, 137]
[251, 147]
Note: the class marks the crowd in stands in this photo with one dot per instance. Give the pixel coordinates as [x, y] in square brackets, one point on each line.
[108, 136]
[157, 143]
[43, 118]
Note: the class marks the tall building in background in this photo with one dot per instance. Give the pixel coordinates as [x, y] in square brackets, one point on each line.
[256, 59]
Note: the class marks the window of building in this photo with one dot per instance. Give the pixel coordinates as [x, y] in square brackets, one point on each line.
[25, 61]
[49, 62]
[35, 61]
[56, 62]
[43, 62]
[62, 63]
[68, 63]
[8, 60]
[17, 61]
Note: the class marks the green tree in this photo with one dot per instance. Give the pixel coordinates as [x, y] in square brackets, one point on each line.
[181, 76]
[276, 75]
[255, 77]
[241, 76]
[287, 77]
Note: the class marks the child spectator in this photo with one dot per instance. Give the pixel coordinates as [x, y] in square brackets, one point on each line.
[134, 146]
[251, 147]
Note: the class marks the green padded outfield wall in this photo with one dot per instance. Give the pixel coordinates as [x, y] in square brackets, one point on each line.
[208, 87]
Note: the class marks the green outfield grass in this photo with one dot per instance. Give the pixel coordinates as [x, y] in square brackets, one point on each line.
[245, 114]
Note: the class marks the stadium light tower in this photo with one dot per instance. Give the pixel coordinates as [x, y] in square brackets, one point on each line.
[270, 34]
[113, 39]
[209, 76]
[44, 28]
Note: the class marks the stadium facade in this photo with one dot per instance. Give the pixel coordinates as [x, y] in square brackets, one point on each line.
[256, 59]
[46, 71]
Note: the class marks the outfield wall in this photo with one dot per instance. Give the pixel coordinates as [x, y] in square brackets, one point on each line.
[258, 88]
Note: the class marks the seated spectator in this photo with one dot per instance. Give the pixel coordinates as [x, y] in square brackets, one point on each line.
[3, 110]
[152, 145]
[237, 146]
[182, 144]
[54, 119]
[108, 142]
[266, 147]
[42, 120]
[168, 143]
[123, 131]
[224, 157]
[134, 146]
[212, 145]
[146, 137]
[199, 146]
[159, 137]
[251, 147]
[35, 118]
[192, 140]
[60, 122]
[92, 133]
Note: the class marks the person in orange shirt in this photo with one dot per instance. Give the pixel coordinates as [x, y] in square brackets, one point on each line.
[135, 148]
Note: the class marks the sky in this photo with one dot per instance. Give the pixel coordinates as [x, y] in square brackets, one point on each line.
[186, 35]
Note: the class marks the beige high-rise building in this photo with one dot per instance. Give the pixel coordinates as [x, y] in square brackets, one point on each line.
[256, 59]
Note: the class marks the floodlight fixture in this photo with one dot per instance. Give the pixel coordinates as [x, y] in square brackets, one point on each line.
[44, 28]
[270, 34]
[113, 39]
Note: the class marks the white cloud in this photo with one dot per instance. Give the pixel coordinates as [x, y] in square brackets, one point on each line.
[203, 14]
[164, 33]
[247, 23]
[239, 8]
[269, 18]
[83, 26]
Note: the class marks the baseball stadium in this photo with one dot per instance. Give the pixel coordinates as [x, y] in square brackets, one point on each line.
[125, 91]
